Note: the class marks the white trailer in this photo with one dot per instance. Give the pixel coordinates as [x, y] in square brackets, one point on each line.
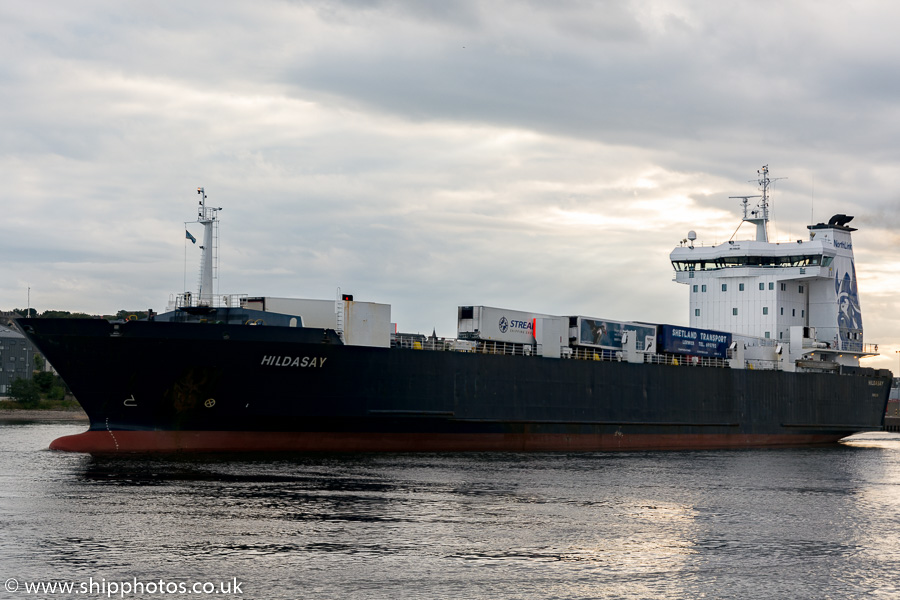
[486, 323]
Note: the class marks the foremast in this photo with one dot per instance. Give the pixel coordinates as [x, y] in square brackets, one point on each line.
[206, 216]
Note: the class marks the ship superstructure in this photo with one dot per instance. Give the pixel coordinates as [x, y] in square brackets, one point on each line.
[800, 298]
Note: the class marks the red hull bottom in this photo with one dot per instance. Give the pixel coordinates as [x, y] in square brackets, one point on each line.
[111, 442]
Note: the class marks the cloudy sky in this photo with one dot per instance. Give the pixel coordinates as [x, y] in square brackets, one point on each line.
[541, 156]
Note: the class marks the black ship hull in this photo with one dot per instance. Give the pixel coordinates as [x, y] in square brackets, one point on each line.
[161, 386]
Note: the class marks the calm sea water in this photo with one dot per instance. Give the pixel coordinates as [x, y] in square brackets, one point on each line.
[788, 523]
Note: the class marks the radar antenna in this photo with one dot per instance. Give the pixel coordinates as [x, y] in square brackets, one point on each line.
[759, 216]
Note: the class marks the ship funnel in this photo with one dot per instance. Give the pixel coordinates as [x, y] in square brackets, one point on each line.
[834, 301]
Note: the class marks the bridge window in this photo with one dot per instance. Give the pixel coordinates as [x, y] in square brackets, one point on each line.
[725, 262]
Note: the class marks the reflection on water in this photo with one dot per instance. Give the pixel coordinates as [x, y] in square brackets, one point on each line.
[802, 523]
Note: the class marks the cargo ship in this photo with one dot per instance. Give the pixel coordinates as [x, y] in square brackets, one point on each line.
[770, 357]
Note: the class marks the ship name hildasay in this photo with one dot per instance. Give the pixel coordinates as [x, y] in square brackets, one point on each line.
[272, 360]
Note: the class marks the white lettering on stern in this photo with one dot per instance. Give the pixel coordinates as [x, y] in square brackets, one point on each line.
[293, 361]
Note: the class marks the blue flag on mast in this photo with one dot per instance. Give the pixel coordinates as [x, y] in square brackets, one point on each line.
[187, 235]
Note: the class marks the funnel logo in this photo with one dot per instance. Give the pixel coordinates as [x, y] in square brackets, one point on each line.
[504, 325]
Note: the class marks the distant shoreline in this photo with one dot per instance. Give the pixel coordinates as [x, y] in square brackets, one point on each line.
[22, 415]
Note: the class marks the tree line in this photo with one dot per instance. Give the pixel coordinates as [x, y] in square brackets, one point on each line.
[43, 390]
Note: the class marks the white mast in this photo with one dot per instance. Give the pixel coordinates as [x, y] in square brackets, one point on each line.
[206, 216]
[760, 215]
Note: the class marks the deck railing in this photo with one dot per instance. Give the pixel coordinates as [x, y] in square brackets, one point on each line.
[188, 299]
[571, 353]
[581, 353]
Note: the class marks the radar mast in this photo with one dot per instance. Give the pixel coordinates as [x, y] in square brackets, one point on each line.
[759, 216]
